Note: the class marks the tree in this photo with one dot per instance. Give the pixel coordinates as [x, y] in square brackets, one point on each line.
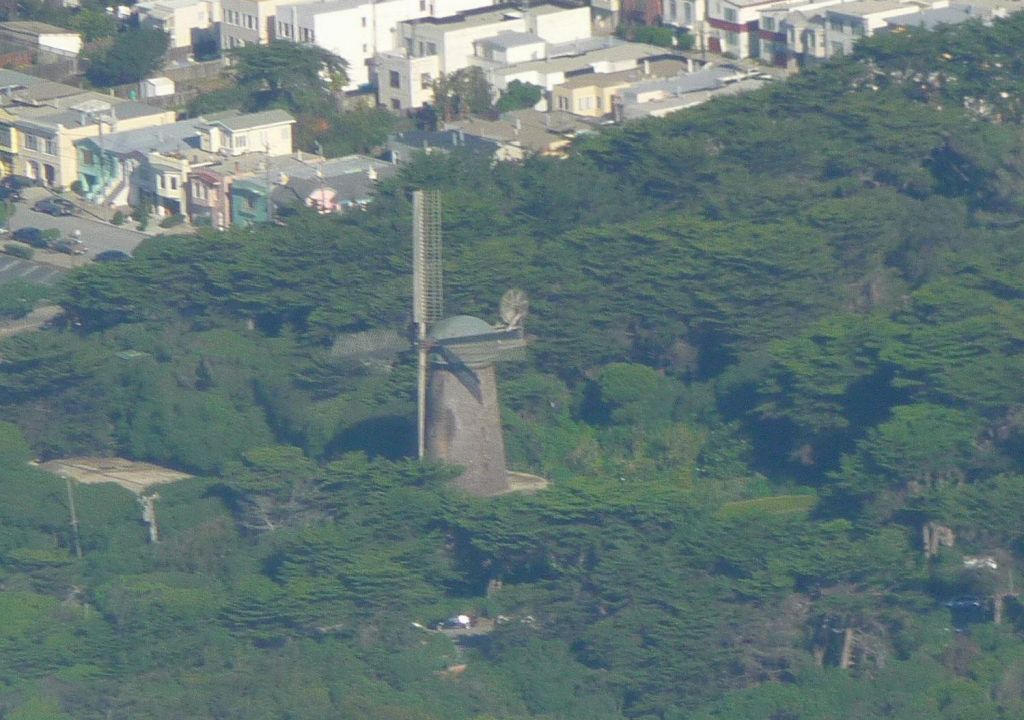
[134, 55]
[94, 24]
[286, 73]
[518, 96]
[462, 93]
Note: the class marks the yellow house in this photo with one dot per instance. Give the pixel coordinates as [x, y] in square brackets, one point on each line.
[45, 134]
[8, 143]
[590, 94]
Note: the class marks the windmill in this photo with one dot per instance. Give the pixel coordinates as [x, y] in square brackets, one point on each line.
[458, 416]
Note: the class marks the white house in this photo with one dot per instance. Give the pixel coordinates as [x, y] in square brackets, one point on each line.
[180, 19]
[356, 30]
[430, 47]
[846, 24]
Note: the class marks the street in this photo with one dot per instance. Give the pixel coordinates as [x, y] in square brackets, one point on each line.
[96, 235]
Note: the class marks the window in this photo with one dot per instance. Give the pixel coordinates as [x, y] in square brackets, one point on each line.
[423, 5]
[425, 82]
[431, 48]
[857, 30]
[88, 158]
[687, 13]
[31, 142]
[811, 40]
[5, 135]
[396, 104]
[836, 25]
[673, 9]
[730, 15]
[769, 23]
[395, 79]
[363, 21]
[365, 48]
[50, 147]
[239, 141]
[732, 39]
[174, 182]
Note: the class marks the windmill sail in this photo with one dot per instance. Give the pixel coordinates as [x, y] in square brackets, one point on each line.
[427, 295]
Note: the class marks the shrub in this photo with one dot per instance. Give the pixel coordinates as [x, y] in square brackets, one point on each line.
[22, 251]
[51, 234]
[172, 220]
[118, 218]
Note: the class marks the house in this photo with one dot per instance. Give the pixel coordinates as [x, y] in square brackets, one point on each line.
[403, 146]
[46, 131]
[688, 14]
[590, 94]
[431, 47]
[587, 55]
[234, 133]
[296, 180]
[187, 22]
[847, 23]
[331, 186]
[247, 22]
[154, 165]
[18, 90]
[660, 96]
[42, 36]
[731, 27]
[794, 31]
[356, 30]
[522, 133]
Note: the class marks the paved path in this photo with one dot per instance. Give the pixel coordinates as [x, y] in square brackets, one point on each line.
[12, 268]
[33, 321]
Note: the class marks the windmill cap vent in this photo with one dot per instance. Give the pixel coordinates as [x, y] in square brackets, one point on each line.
[459, 326]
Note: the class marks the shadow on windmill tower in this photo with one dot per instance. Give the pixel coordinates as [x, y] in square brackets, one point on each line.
[458, 415]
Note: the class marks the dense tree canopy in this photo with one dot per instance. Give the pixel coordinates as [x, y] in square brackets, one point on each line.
[774, 343]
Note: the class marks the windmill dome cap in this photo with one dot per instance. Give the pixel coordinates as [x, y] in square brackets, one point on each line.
[459, 326]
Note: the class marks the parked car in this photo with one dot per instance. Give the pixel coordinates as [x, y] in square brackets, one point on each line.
[112, 256]
[18, 182]
[54, 206]
[69, 247]
[12, 194]
[32, 236]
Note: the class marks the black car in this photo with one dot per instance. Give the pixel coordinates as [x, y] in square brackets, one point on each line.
[112, 256]
[32, 236]
[69, 247]
[12, 194]
[17, 182]
[54, 206]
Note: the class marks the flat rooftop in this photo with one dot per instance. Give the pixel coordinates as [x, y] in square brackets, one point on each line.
[655, 69]
[860, 8]
[570, 63]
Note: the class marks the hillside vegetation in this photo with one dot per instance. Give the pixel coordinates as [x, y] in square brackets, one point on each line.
[775, 340]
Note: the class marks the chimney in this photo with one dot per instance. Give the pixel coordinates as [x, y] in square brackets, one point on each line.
[689, 65]
[647, 67]
[371, 173]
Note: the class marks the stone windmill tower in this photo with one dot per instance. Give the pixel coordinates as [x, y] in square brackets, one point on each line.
[458, 415]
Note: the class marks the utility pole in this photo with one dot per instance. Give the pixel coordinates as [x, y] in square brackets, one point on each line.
[74, 519]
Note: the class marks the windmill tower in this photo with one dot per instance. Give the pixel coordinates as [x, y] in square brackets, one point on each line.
[458, 416]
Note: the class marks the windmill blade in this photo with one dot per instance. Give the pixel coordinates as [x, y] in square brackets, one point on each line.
[462, 371]
[514, 306]
[510, 336]
[427, 296]
[485, 348]
[370, 345]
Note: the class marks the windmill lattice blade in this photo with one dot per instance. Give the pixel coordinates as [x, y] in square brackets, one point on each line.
[370, 345]
[427, 290]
